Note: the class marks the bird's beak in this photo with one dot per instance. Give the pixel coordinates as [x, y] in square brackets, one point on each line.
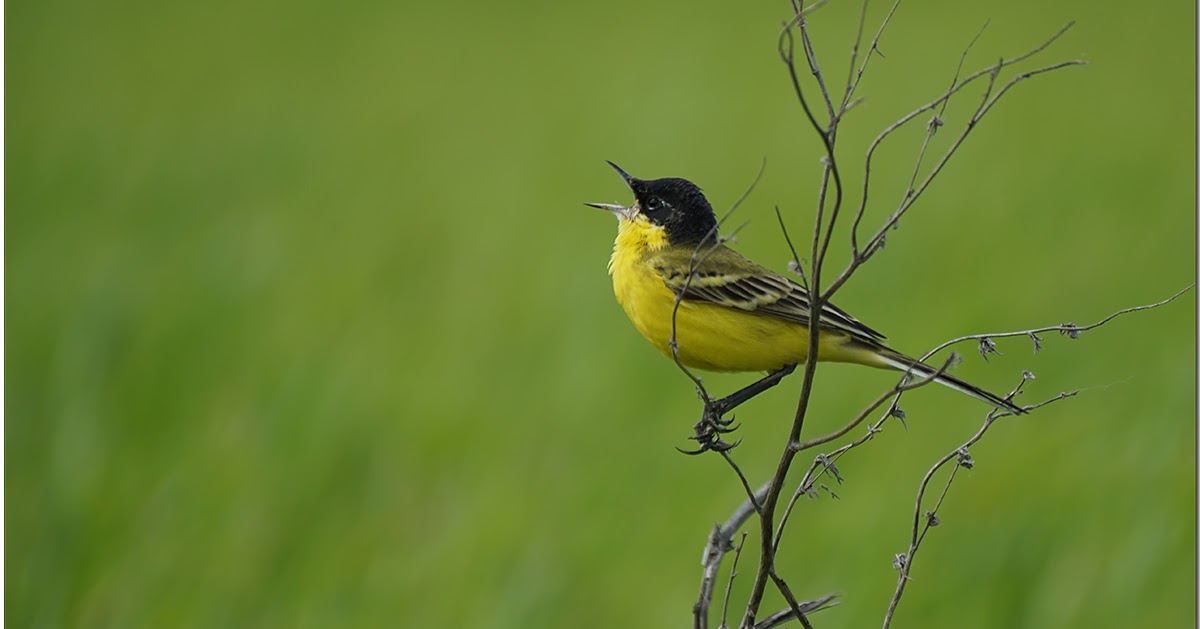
[620, 210]
[629, 179]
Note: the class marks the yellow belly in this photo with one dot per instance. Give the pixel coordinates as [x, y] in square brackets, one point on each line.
[714, 337]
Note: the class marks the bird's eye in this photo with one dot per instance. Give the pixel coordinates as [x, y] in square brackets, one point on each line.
[654, 204]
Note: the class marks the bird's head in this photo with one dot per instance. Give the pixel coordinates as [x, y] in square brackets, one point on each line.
[676, 206]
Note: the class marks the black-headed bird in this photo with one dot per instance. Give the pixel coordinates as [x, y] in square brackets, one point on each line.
[733, 314]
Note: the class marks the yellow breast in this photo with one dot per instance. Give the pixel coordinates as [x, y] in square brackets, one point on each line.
[709, 336]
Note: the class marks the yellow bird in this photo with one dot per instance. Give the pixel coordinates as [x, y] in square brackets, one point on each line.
[734, 315]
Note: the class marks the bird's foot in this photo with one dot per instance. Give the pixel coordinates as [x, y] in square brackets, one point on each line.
[713, 418]
[711, 441]
[711, 427]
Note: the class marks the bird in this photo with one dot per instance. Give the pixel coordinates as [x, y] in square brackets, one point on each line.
[697, 300]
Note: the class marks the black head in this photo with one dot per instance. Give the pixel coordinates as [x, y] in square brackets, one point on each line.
[676, 205]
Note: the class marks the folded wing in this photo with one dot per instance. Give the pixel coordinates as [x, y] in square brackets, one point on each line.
[724, 277]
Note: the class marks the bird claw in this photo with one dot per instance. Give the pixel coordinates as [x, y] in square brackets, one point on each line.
[713, 417]
[710, 428]
[710, 442]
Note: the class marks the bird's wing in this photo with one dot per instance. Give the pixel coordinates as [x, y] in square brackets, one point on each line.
[725, 277]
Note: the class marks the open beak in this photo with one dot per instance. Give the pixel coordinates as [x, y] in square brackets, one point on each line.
[629, 179]
[620, 210]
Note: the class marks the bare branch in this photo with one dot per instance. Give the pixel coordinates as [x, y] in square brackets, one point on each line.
[816, 305]
[961, 454]
[745, 484]
[811, 56]
[787, 49]
[718, 544]
[991, 72]
[793, 604]
[1066, 328]
[852, 86]
[904, 384]
[862, 23]
[729, 584]
[794, 265]
[937, 120]
[817, 298]
[765, 500]
[806, 485]
[825, 463]
[808, 607]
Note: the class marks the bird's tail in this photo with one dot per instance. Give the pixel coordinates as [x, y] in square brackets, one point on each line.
[900, 362]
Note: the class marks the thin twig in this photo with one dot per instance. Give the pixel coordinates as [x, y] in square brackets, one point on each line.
[808, 607]
[810, 55]
[904, 384]
[803, 488]
[765, 500]
[874, 49]
[722, 534]
[874, 245]
[718, 540]
[991, 72]
[862, 23]
[1069, 329]
[794, 265]
[745, 483]
[698, 258]
[816, 305]
[938, 119]
[904, 561]
[1066, 328]
[718, 543]
[786, 591]
[737, 554]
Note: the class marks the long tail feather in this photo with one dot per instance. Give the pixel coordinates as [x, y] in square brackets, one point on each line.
[900, 362]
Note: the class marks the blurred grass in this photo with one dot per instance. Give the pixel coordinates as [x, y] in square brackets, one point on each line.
[306, 326]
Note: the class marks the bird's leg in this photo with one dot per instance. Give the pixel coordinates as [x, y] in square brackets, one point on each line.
[716, 409]
[713, 423]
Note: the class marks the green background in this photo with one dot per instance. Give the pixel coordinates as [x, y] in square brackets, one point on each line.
[307, 325]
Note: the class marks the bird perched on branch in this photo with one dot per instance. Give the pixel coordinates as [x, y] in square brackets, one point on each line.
[733, 314]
